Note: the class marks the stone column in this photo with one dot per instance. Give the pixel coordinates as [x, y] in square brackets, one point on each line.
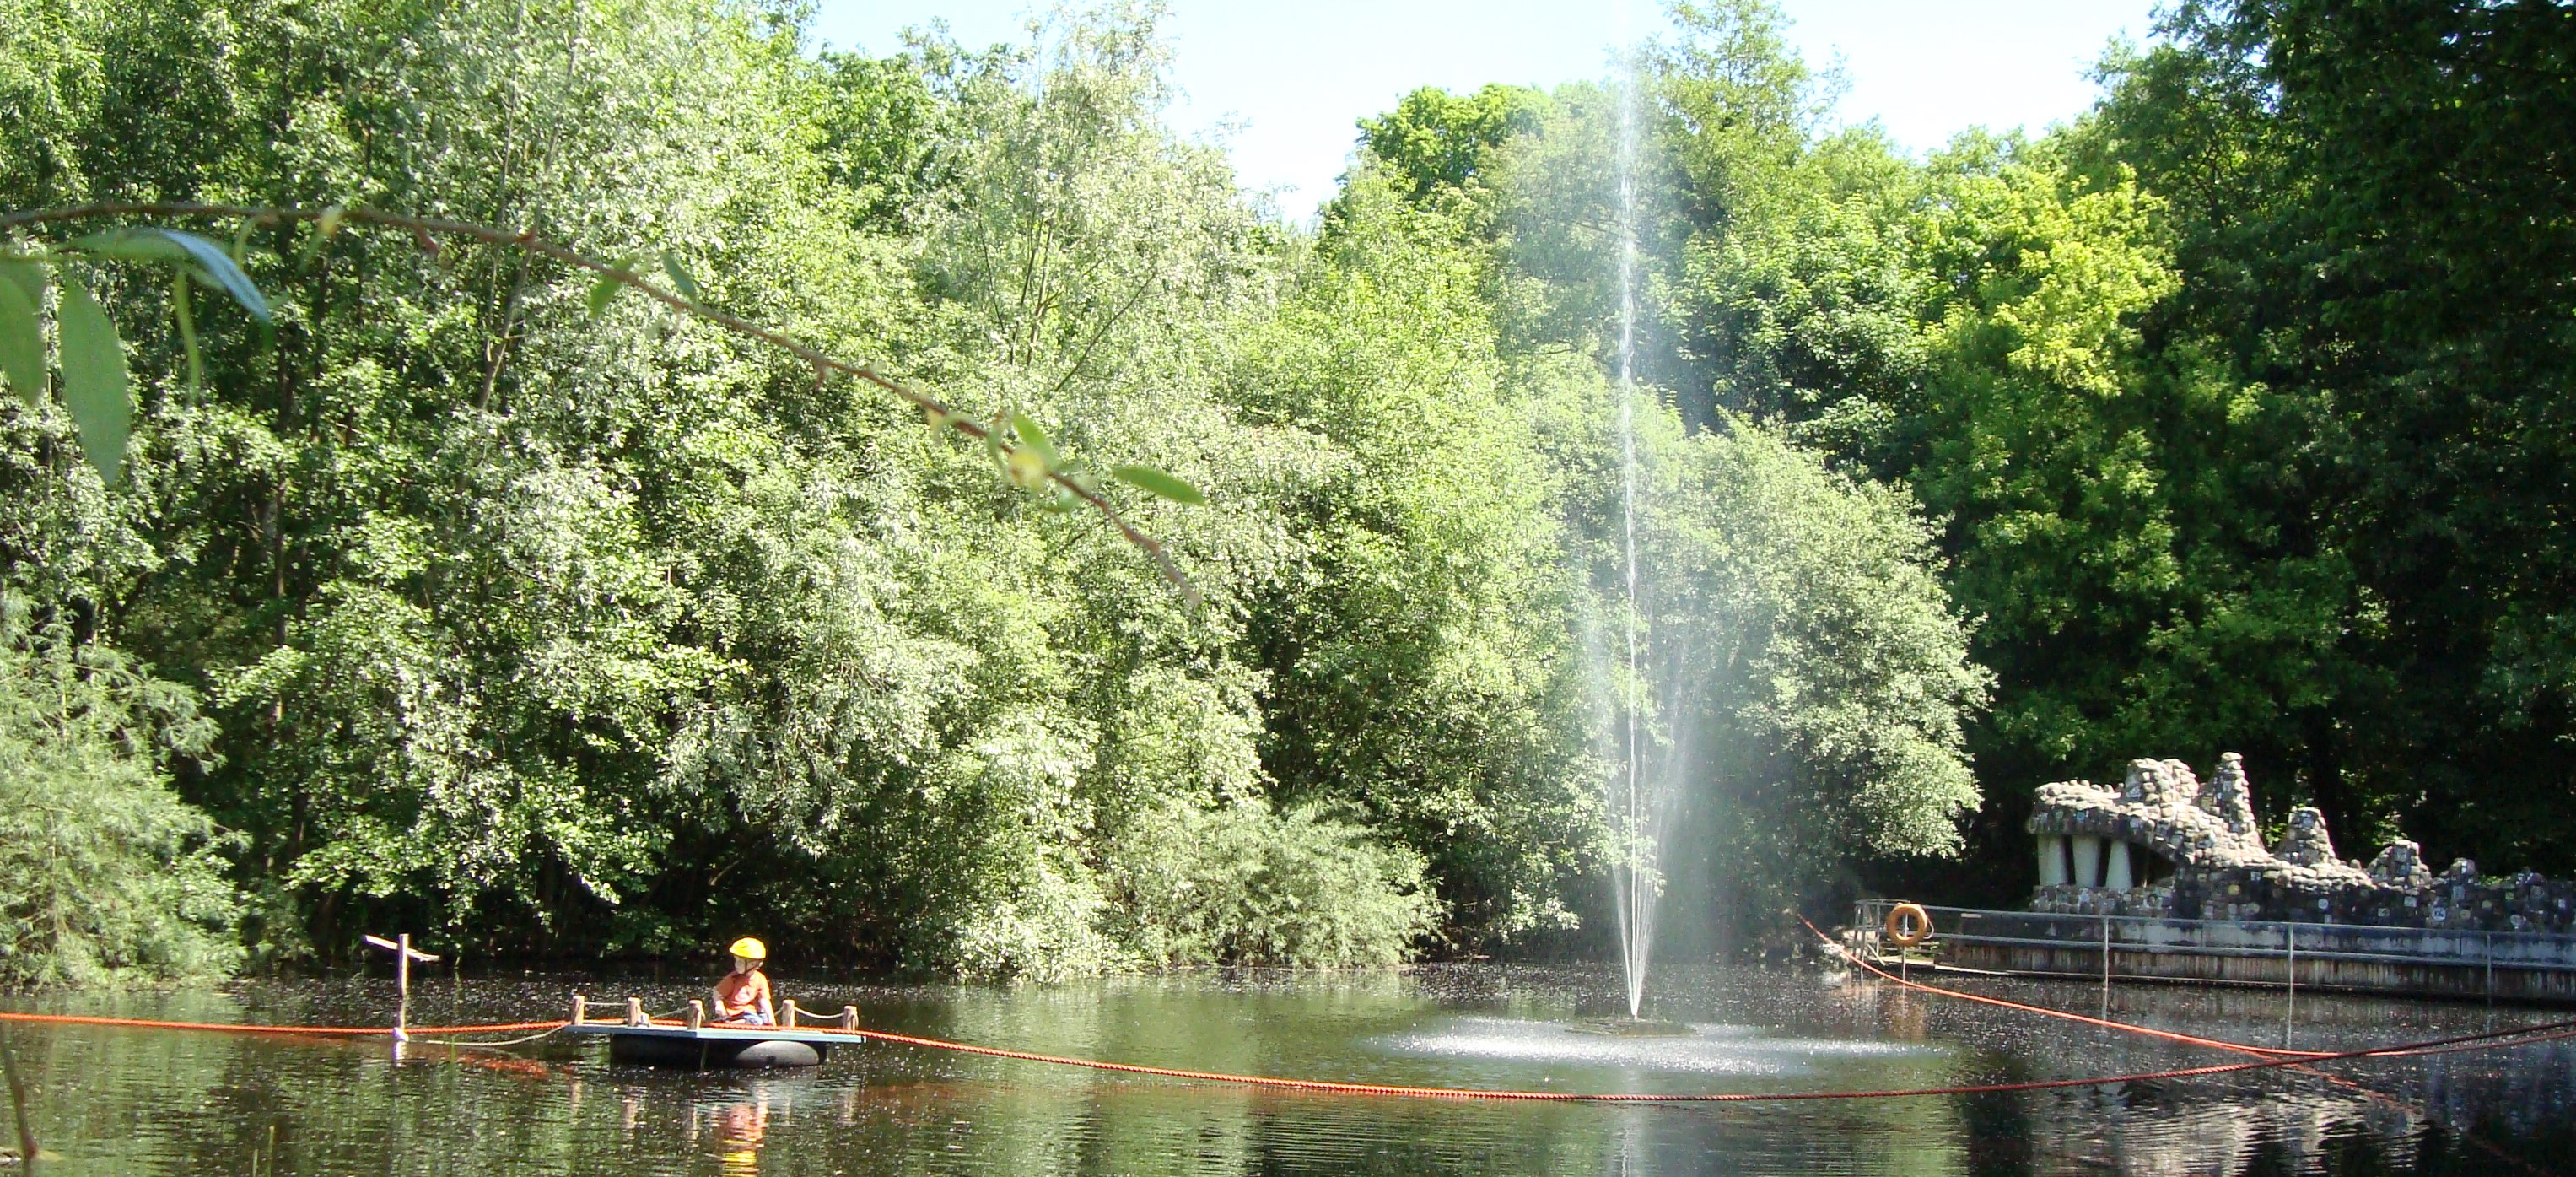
[2088, 860]
[2052, 860]
[2117, 876]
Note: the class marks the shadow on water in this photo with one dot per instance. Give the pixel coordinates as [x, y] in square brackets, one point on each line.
[117, 1102]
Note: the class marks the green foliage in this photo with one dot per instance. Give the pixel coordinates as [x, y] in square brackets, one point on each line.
[1239, 884]
[94, 379]
[1731, 105]
[208, 260]
[106, 877]
[2224, 397]
[1805, 682]
[22, 332]
[1406, 678]
[96, 387]
[1835, 723]
[1435, 140]
[1970, 328]
[564, 625]
[2373, 248]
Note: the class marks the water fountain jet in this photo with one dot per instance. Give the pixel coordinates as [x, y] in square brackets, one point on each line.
[1632, 879]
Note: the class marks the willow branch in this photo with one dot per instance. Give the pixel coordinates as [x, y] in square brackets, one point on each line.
[938, 412]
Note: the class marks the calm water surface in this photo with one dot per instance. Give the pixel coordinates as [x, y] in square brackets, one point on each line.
[120, 1101]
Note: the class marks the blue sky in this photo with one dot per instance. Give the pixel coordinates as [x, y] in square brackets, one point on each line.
[1292, 79]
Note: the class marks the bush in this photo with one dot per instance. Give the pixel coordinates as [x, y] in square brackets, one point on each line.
[1241, 884]
[106, 876]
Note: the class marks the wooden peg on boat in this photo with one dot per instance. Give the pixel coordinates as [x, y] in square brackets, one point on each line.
[697, 1014]
[577, 1011]
[635, 1012]
[787, 1013]
[849, 1017]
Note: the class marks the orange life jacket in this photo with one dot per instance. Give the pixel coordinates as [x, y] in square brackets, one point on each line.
[741, 993]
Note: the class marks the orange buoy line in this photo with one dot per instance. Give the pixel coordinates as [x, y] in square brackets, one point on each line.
[237, 1028]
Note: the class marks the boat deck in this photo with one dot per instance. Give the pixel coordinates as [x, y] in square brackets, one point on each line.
[695, 1043]
[680, 1032]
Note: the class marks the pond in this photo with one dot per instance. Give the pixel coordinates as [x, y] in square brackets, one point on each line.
[127, 1101]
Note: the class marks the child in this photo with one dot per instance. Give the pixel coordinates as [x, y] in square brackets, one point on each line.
[742, 997]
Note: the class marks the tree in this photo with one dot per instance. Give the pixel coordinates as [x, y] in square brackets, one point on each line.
[105, 875]
[2374, 232]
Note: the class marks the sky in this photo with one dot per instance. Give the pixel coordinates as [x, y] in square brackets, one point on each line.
[1282, 85]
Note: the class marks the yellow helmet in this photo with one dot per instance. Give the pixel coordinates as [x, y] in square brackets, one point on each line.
[750, 949]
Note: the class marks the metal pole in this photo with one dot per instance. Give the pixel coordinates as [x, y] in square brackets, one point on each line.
[2106, 964]
[2290, 1009]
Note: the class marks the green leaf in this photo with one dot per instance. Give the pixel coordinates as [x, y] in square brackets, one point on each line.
[608, 285]
[130, 245]
[29, 277]
[94, 381]
[187, 330]
[1159, 484]
[679, 274]
[22, 333]
[1035, 438]
[170, 245]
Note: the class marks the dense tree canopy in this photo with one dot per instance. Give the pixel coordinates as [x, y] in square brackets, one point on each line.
[565, 631]
[2230, 416]
[2239, 401]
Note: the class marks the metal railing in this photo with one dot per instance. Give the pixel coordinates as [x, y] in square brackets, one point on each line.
[2259, 939]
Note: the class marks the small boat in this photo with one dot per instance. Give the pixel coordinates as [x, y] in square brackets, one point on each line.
[695, 1044]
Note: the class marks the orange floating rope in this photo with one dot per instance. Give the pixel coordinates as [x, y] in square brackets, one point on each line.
[236, 1028]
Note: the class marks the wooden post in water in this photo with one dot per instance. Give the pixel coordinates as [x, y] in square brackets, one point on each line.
[402, 991]
[404, 954]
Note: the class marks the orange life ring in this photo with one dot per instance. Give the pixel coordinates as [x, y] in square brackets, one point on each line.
[1908, 925]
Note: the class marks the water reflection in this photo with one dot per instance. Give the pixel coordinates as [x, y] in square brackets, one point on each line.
[123, 1102]
[1701, 1049]
[740, 1128]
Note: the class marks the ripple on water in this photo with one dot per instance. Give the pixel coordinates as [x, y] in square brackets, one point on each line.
[1705, 1050]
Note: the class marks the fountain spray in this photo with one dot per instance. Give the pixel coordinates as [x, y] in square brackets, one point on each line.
[1632, 873]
